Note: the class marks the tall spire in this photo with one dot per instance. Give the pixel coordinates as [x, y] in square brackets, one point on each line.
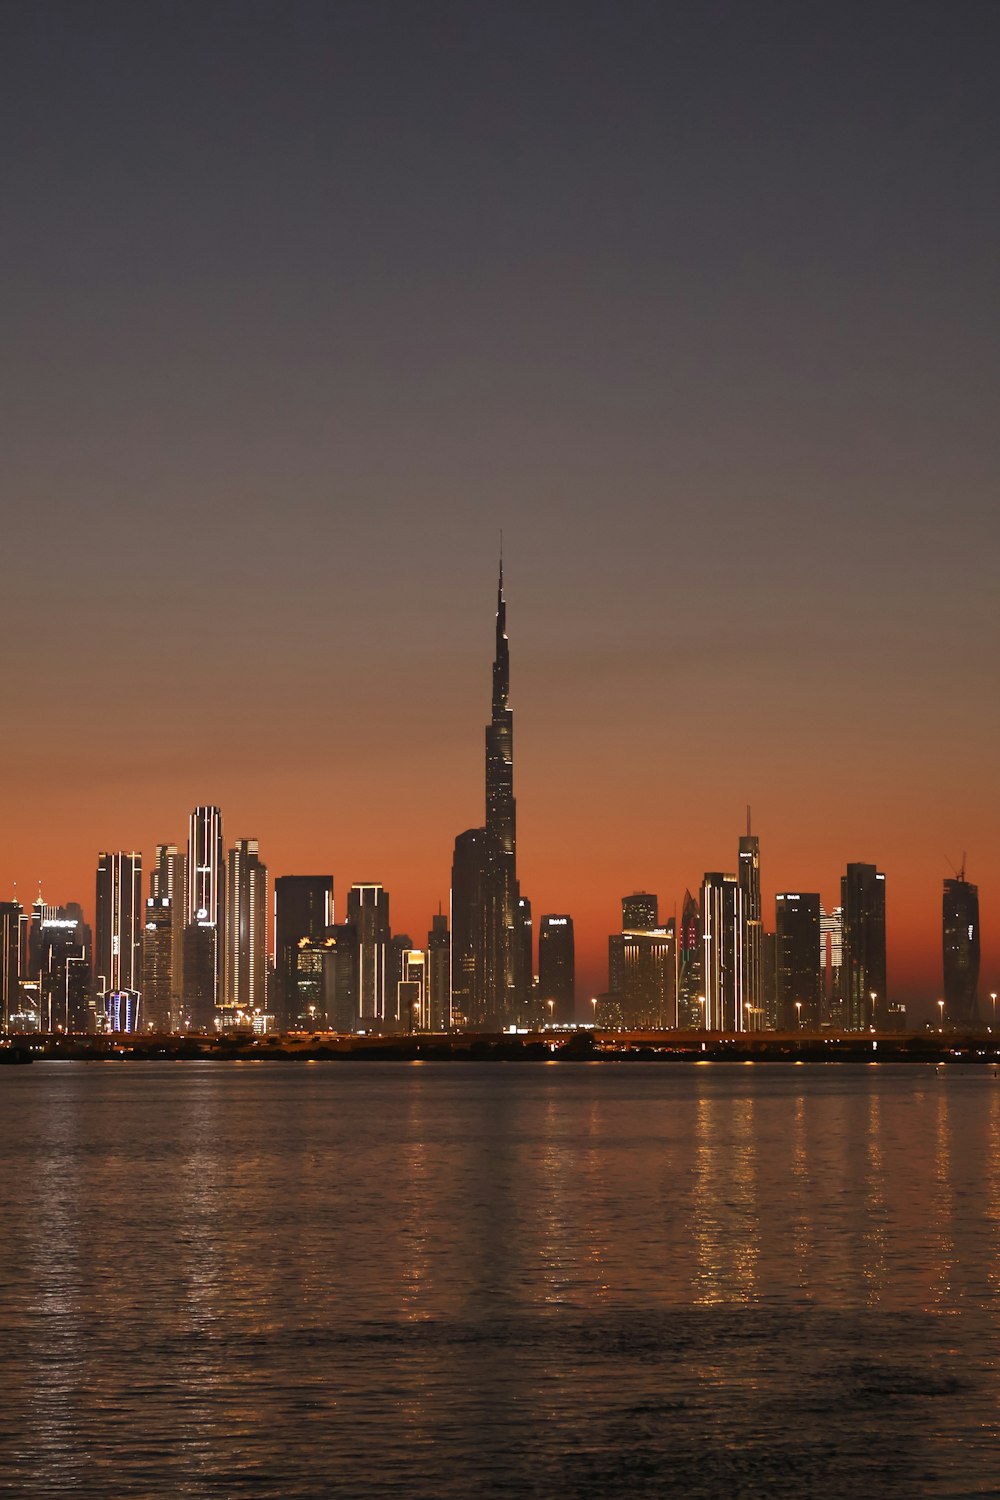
[501, 662]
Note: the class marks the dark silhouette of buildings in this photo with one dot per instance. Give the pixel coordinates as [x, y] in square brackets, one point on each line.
[557, 969]
[866, 1003]
[798, 976]
[960, 950]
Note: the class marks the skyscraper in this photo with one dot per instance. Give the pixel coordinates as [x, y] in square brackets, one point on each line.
[557, 969]
[501, 891]
[10, 966]
[303, 908]
[368, 914]
[246, 929]
[689, 964]
[722, 937]
[831, 949]
[468, 929]
[864, 972]
[204, 939]
[798, 977]
[439, 974]
[751, 976]
[642, 965]
[960, 950]
[157, 964]
[118, 921]
[167, 890]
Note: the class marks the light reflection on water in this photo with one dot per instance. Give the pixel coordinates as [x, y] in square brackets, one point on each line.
[462, 1280]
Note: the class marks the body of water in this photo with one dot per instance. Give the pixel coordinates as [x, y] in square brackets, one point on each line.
[461, 1280]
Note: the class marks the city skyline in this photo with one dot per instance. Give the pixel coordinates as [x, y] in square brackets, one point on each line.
[707, 324]
[734, 917]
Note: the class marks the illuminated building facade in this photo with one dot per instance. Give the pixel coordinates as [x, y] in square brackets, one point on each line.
[960, 951]
[157, 963]
[118, 919]
[689, 965]
[722, 939]
[204, 937]
[798, 978]
[831, 948]
[557, 969]
[862, 891]
[303, 910]
[368, 914]
[10, 961]
[648, 993]
[63, 976]
[246, 934]
[502, 1002]
[167, 889]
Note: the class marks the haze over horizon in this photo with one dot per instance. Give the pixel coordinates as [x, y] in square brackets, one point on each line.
[303, 304]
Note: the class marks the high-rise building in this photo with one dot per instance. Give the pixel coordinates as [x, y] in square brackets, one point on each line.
[303, 908]
[557, 969]
[168, 891]
[960, 950]
[246, 929]
[648, 993]
[640, 912]
[723, 931]
[204, 938]
[157, 964]
[468, 929]
[411, 991]
[798, 978]
[503, 1005]
[64, 971]
[118, 922]
[642, 965]
[368, 914]
[525, 960]
[10, 961]
[831, 949]
[341, 977]
[439, 975]
[751, 979]
[689, 965]
[864, 975]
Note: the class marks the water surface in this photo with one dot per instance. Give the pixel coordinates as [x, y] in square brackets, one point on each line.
[461, 1280]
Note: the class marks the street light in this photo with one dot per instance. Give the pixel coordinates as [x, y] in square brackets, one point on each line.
[940, 1015]
[874, 997]
[798, 1015]
[594, 1004]
[704, 1012]
[552, 1005]
[993, 997]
